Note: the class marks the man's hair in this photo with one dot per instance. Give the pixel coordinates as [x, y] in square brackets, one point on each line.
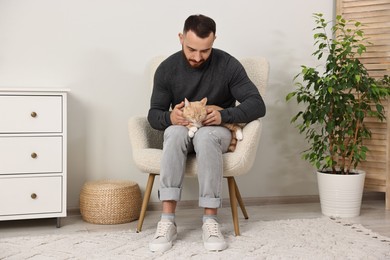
[201, 25]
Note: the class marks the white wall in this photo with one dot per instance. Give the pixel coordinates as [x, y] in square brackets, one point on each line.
[101, 49]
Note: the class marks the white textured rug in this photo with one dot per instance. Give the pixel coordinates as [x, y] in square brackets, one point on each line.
[320, 238]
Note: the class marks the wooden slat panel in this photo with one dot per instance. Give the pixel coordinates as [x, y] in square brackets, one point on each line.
[374, 122]
[374, 173]
[375, 55]
[375, 16]
[370, 181]
[380, 157]
[377, 66]
[367, 20]
[378, 177]
[373, 165]
[374, 49]
[375, 148]
[376, 136]
[375, 187]
[381, 9]
[352, 3]
[368, 60]
[375, 142]
[376, 37]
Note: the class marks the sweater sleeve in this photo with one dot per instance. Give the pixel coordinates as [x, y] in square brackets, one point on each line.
[246, 93]
[159, 114]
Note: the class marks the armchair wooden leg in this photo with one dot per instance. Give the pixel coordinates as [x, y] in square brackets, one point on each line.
[145, 201]
[240, 202]
[233, 204]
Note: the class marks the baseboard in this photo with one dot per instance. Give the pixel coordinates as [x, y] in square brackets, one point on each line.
[254, 201]
[260, 201]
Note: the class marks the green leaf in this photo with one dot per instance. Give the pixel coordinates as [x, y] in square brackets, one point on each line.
[379, 108]
[318, 165]
[290, 95]
[357, 78]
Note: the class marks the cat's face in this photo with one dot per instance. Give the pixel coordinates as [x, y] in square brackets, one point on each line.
[195, 112]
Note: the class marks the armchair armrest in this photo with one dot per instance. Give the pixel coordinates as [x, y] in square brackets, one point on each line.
[142, 135]
[241, 160]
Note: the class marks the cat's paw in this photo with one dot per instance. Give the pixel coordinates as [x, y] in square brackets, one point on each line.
[239, 135]
[193, 129]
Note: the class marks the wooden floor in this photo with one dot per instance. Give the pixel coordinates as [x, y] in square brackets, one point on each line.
[373, 216]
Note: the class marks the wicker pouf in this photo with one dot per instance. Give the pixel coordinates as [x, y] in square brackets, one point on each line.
[110, 201]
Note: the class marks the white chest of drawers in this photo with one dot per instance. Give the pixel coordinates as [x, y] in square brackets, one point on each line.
[33, 153]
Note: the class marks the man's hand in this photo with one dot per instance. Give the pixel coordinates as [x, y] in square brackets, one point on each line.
[177, 115]
[213, 116]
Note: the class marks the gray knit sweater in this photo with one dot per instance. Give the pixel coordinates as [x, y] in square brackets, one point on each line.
[222, 79]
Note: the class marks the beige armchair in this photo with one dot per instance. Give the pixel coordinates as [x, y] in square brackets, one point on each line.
[147, 147]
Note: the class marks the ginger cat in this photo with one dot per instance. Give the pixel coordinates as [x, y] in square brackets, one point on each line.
[195, 112]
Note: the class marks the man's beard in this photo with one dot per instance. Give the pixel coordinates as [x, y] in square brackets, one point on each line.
[194, 63]
[191, 62]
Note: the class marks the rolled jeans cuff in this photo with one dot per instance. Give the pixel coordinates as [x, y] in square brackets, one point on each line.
[212, 203]
[169, 194]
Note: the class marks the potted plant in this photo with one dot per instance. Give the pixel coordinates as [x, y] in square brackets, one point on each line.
[338, 97]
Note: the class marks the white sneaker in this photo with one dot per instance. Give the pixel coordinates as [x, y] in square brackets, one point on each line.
[213, 239]
[166, 233]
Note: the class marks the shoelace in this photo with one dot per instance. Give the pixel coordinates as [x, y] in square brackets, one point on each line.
[212, 229]
[162, 229]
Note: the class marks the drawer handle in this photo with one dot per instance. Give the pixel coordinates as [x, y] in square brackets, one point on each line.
[34, 196]
[34, 114]
[34, 155]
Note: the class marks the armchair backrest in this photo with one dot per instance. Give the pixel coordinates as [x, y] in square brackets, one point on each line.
[153, 67]
[257, 69]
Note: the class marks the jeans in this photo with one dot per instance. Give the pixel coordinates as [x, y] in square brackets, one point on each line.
[209, 143]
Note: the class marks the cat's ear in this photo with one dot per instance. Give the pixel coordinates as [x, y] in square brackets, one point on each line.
[186, 102]
[204, 101]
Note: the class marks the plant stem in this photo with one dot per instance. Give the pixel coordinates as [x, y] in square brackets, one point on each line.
[331, 137]
[354, 143]
[357, 129]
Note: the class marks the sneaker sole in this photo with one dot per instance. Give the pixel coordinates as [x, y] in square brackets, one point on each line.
[215, 246]
[162, 247]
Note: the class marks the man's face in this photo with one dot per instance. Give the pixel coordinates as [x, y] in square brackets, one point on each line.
[196, 49]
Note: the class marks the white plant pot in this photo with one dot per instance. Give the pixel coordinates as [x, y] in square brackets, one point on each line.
[341, 195]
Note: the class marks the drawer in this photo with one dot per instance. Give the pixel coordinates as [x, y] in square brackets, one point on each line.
[29, 195]
[30, 114]
[30, 154]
